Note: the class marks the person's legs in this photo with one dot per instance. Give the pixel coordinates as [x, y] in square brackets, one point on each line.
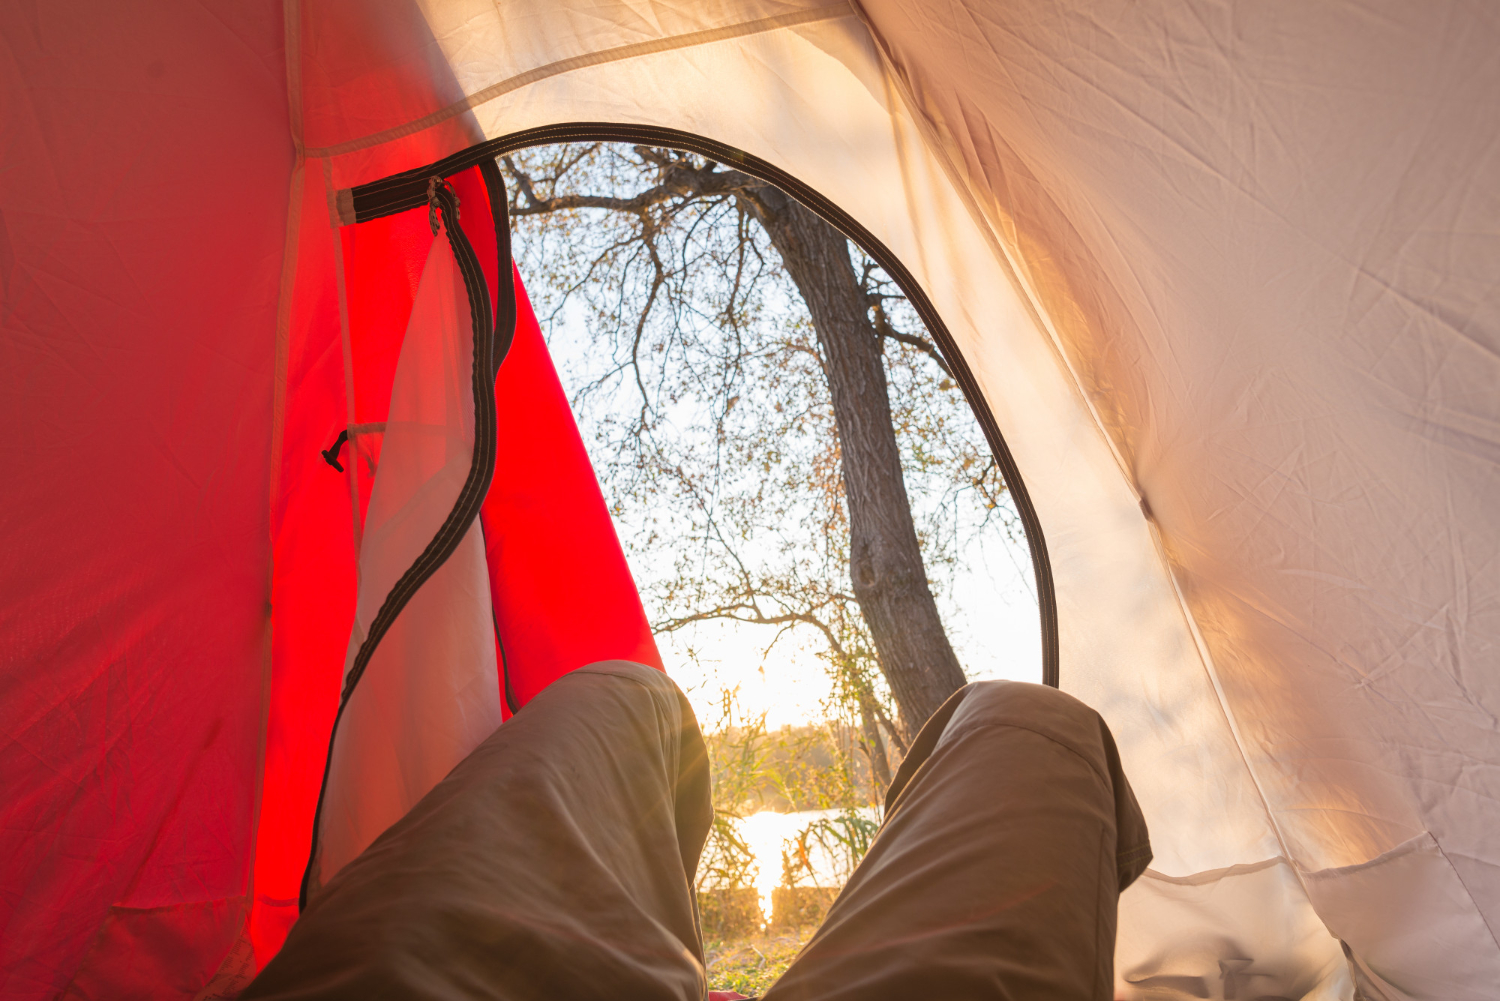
[556, 861]
[1010, 831]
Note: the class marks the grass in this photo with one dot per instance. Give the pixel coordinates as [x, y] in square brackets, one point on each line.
[751, 965]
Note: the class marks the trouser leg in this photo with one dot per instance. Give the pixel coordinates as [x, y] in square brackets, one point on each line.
[556, 861]
[1010, 831]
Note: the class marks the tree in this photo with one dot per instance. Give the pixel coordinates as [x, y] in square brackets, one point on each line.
[705, 283]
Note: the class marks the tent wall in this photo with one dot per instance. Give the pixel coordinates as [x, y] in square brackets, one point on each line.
[564, 596]
[314, 563]
[144, 169]
[1223, 272]
[1266, 238]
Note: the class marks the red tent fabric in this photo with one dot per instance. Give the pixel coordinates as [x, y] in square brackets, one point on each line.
[140, 263]
[174, 645]
[562, 592]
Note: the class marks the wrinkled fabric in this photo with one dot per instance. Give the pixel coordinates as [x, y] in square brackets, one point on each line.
[1264, 239]
[557, 861]
[1010, 831]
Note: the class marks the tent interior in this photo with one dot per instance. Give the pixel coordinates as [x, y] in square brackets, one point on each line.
[1218, 278]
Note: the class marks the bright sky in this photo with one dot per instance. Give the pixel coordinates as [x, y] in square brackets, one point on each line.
[996, 634]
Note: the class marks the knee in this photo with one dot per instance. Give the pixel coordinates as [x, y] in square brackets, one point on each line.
[1046, 710]
[1023, 698]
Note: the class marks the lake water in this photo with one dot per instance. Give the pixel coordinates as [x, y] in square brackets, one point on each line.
[768, 832]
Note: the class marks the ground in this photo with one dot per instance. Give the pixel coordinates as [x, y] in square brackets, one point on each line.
[750, 965]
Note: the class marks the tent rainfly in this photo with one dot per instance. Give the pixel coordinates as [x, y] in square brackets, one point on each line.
[1218, 278]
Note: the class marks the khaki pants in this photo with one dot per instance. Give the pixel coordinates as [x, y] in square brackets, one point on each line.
[557, 862]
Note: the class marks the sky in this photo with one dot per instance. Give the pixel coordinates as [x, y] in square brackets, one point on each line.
[996, 633]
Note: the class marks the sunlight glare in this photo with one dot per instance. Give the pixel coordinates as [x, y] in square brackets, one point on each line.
[765, 832]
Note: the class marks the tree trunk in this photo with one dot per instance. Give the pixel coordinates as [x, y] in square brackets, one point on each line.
[885, 560]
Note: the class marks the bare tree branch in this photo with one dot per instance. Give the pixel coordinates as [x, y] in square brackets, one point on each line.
[884, 328]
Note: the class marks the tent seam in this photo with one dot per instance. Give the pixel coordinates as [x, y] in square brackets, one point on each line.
[1212, 671]
[289, 251]
[561, 66]
[1467, 892]
[895, 81]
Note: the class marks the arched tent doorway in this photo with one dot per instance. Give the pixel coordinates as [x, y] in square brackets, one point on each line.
[404, 191]
[1221, 282]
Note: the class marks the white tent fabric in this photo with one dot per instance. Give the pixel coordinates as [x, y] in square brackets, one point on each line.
[1224, 272]
[1188, 936]
[1266, 238]
[431, 692]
